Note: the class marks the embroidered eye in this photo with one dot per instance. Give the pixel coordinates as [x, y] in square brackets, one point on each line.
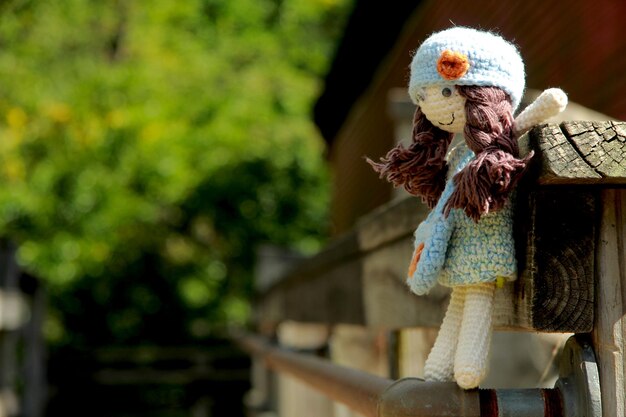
[446, 92]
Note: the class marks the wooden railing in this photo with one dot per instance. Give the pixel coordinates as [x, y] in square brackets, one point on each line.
[570, 239]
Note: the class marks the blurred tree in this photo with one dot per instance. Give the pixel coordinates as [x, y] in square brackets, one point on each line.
[147, 148]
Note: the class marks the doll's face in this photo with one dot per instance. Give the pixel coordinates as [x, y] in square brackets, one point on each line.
[443, 106]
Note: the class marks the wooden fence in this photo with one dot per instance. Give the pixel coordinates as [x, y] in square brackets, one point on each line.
[351, 302]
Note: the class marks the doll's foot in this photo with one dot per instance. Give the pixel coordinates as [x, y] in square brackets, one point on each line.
[469, 377]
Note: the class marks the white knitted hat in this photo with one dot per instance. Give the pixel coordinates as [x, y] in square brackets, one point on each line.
[464, 56]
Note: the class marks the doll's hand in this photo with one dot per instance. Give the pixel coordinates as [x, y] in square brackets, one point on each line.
[549, 104]
[420, 282]
[416, 258]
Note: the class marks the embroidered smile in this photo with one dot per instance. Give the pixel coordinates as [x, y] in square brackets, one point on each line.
[448, 124]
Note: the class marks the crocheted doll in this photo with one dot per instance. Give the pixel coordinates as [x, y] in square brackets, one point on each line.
[469, 82]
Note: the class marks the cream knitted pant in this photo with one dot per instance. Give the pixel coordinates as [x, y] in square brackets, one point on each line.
[462, 345]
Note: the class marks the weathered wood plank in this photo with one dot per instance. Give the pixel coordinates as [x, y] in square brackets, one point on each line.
[390, 222]
[333, 297]
[388, 301]
[559, 160]
[339, 251]
[609, 334]
[555, 230]
[603, 147]
[323, 288]
[580, 152]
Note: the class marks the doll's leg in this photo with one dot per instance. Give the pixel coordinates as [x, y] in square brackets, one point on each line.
[440, 363]
[470, 364]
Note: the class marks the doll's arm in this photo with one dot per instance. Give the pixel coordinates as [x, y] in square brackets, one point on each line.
[431, 245]
[550, 103]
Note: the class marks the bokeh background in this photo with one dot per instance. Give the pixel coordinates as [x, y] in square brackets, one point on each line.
[147, 149]
[163, 161]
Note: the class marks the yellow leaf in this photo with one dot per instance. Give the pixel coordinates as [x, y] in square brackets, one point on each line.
[59, 112]
[152, 132]
[115, 119]
[16, 118]
[14, 169]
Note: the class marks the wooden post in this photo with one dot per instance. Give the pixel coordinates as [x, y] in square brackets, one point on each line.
[9, 338]
[358, 347]
[294, 397]
[413, 349]
[610, 323]
[34, 390]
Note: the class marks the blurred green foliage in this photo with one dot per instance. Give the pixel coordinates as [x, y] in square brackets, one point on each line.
[148, 147]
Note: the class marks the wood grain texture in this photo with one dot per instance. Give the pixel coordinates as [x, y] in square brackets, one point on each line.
[609, 332]
[559, 160]
[581, 152]
[556, 241]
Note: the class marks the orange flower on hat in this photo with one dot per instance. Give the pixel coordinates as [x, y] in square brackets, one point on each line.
[452, 65]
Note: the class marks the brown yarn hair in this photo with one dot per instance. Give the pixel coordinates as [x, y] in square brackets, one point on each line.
[421, 168]
[485, 184]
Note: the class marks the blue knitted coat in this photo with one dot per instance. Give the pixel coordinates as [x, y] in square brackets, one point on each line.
[459, 251]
